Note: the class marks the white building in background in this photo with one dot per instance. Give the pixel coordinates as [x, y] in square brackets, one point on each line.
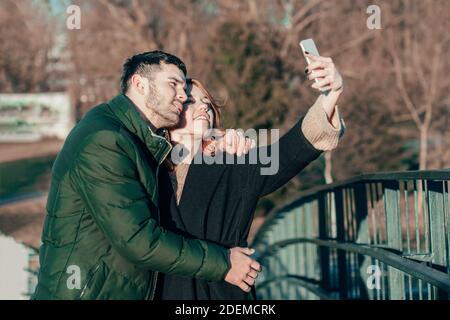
[18, 264]
[30, 117]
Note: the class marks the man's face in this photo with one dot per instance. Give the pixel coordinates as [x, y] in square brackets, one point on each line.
[166, 95]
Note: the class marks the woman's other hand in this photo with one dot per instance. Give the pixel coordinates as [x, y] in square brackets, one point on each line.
[231, 141]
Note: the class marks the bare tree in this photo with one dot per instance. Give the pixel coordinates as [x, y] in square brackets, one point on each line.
[247, 53]
[26, 39]
[417, 43]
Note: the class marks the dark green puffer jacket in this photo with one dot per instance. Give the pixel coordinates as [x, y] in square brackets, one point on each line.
[101, 237]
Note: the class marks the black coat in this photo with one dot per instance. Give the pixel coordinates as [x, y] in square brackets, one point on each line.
[218, 203]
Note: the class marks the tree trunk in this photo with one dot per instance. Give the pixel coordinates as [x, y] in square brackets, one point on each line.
[328, 168]
[423, 148]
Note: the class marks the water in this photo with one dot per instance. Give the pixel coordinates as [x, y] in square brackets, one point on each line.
[25, 178]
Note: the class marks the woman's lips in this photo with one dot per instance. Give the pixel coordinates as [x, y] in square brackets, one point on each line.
[202, 117]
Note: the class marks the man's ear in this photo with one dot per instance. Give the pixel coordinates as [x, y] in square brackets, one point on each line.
[138, 83]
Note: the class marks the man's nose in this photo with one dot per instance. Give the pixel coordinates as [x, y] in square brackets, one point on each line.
[182, 96]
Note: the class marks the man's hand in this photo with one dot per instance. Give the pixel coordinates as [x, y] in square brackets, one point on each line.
[244, 270]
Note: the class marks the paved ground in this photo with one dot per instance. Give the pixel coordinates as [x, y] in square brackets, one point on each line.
[23, 220]
[16, 151]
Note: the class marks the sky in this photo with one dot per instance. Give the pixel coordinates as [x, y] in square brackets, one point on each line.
[58, 7]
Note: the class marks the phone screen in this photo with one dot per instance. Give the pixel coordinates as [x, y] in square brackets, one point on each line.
[308, 45]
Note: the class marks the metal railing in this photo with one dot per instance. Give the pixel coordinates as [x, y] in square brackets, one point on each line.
[376, 236]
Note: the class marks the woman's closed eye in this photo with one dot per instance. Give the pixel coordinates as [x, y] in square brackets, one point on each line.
[207, 102]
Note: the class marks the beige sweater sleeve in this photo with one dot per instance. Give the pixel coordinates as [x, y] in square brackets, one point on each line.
[316, 127]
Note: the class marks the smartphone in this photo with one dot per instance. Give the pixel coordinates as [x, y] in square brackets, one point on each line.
[308, 45]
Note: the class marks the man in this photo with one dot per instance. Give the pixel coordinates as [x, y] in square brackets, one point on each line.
[101, 237]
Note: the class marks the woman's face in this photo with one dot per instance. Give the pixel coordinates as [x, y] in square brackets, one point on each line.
[197, 117]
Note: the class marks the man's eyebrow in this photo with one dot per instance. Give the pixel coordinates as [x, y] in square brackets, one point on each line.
[177, 79]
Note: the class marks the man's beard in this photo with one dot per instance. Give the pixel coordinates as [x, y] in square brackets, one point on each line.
[156, 103]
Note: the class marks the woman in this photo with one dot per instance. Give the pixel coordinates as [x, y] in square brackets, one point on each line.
[216, 202]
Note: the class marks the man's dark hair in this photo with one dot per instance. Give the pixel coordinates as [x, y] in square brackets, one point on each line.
[145, 63]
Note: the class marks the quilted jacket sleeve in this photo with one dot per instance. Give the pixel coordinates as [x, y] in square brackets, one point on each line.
[106, 178]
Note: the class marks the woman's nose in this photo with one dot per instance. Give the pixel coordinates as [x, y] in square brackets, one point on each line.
[203, 107]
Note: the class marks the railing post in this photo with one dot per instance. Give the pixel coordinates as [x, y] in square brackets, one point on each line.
[361, 217]
[278, 294]
[394, 236]
[436, 213]
[324, 252]
[292, 258]
[299, 233]
[340, 229]
[312, 262]
[283, 255]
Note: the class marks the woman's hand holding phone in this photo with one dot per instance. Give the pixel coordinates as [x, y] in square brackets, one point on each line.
[326, 77]
[324, 70]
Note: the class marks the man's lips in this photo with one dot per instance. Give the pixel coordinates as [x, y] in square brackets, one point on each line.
[179, 107]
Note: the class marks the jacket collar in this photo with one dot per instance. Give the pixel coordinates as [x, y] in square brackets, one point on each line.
[126, 111]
